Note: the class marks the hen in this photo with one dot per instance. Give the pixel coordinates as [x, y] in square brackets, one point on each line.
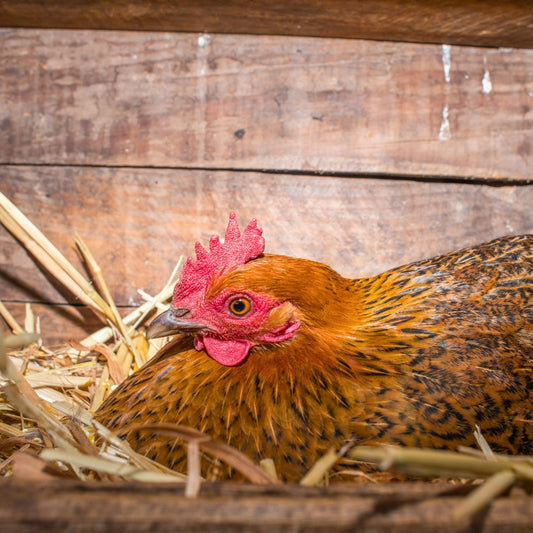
[283, 358]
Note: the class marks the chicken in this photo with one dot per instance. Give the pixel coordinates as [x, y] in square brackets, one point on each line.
[283, 358]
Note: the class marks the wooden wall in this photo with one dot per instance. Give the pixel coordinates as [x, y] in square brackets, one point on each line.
[363, 154]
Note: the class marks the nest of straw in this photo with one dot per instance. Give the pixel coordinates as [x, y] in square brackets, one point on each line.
[47, 396]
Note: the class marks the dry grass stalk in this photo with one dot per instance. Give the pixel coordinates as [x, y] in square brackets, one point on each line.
[71, 442]
[194, 469]
[435, 463]
[501, 472]
[121, 449]
[483, 445]
[30, 323]
[318, 474]
[50, 257]
[319, 471]
[23, 397]
[21, 393]
[240, 462]
[100, 464]
[63, 381]
[10, 430]
[15, 342]
[102, 388]
[477, 500]
[269, 467]
[113, 364]
[136, 317]
[116, 318]
[65, 405]
[11, 322]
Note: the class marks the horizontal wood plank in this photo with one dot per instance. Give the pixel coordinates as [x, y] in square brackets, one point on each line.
[265, 103]
[73, 506]
[138, 222]
[472, 22]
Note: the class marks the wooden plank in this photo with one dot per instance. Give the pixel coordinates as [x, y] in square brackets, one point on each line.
[138, 222]
[265, 103]
[74, 506]
[471, 22]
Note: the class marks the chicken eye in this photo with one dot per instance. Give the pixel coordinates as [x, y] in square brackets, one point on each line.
[240, 306]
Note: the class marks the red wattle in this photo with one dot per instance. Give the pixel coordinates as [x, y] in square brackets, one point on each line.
[227, 353]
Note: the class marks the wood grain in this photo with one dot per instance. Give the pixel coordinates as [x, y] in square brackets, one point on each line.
[265, 103]
[138, 222]
[472, 22]
[81, 507]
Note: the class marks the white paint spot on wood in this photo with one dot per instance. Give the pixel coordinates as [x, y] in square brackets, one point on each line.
[204, 40]
[203, 52]
[444, 132]
[446, 61]
[486, 83]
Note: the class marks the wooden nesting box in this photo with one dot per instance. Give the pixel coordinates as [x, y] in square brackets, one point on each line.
[360, 134]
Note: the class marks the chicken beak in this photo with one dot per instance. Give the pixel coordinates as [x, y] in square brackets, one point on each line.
[171, 323]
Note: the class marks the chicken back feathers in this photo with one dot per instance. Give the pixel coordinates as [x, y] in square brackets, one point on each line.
[283, 358]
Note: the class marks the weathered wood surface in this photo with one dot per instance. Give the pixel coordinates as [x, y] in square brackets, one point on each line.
[474, 22]
[138, 222]
[76, 507]
[265, 103]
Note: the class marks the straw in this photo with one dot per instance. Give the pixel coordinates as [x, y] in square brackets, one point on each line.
[50, 258]
[116, 319]
[11, 322]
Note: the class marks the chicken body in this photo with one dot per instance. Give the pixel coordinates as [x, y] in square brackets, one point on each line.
[416, 356]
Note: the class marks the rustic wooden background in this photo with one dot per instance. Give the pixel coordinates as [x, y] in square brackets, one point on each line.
[364, 154]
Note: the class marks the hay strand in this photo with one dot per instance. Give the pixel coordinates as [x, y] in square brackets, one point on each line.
[481, 497]
[10, 321]
[21, 340]
[500, 472]
[107, 466]
[22, 395]
[435, 463]
[240, 462]
[319, 471]
[49, 257]
[115, 318]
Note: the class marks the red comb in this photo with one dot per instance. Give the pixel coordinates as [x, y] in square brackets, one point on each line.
[236, 250]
